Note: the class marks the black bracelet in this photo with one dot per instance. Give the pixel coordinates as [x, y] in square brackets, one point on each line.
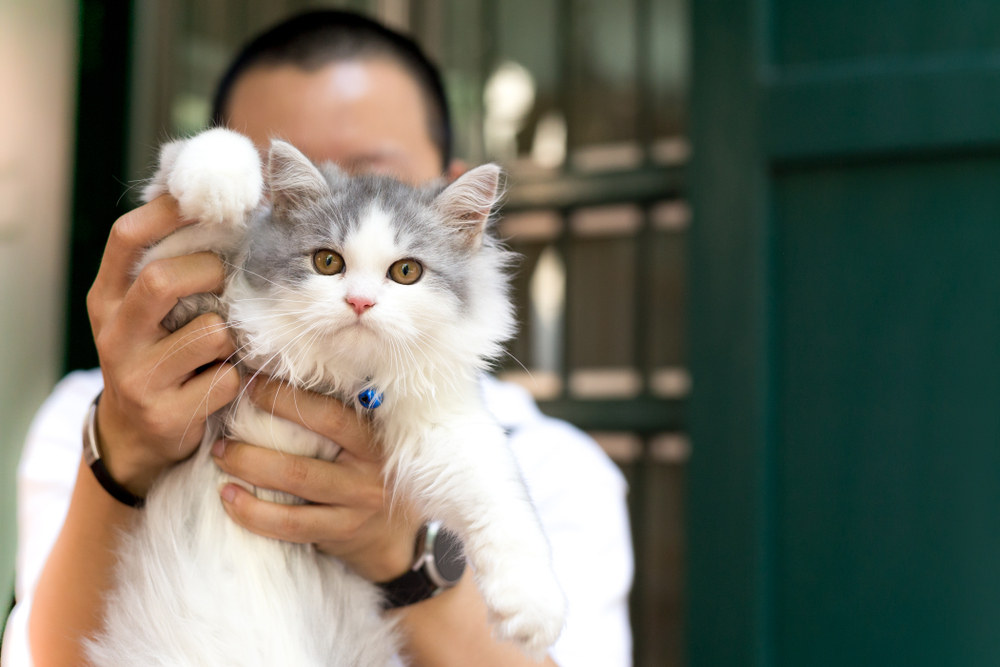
[92, 457]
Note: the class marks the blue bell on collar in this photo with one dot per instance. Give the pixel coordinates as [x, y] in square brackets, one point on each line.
[370, 399]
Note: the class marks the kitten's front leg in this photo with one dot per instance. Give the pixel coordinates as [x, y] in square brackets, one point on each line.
[217, 181]
[479, 493]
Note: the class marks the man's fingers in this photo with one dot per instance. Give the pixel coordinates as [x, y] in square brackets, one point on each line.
[304, 524]
[178, 417]
[312, 479]
[130, 236]
[201, 341]
[214, 387]
[161, 283]
[320, 414]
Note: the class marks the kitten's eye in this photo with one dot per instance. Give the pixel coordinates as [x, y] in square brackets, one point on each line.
[406, 271]
[328, 262]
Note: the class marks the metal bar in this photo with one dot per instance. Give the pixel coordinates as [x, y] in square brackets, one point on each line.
[646, 185]
[643, 75]
[641, 356]
[640, 352]
[638, 501]
[564, 247]
[644, 414]
[642, 317]
[527, 193]
[489, 43]
[564, 40]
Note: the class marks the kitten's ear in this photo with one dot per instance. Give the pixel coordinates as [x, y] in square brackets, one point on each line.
[294, 179]
[466, 203]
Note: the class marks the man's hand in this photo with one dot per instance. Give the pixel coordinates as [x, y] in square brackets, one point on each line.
[350, 516]
[155, 403]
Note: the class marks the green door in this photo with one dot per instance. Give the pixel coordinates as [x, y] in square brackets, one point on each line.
[844, 491]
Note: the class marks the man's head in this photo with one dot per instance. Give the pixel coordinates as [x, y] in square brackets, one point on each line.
[341, 88]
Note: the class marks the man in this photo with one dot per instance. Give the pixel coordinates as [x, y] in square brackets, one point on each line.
[346, 90]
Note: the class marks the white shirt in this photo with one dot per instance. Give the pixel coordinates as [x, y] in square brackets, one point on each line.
[578, 492]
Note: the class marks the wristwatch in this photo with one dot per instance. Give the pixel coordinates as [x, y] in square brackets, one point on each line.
[92, 457]
[438, 565]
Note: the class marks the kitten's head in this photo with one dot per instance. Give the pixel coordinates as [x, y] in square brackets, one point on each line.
[348, 281]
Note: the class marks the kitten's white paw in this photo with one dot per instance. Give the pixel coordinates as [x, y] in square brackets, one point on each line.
[216, 178]
[158, 184]
[527, 608]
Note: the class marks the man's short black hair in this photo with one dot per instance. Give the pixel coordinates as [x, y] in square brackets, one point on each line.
[317, 38]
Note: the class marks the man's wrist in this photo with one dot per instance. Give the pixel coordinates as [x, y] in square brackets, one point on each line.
[386, 563]
[133, 467]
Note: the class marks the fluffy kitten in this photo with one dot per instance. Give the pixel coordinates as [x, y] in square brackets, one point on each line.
[193, 588]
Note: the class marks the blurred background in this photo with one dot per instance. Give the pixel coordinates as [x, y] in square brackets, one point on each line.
[761, 247]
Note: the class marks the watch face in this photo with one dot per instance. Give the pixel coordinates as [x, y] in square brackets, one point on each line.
[449, 558]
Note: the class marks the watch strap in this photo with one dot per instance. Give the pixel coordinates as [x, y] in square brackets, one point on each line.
[413, 587]
[119, 492]
[427, 577]
[92, 457]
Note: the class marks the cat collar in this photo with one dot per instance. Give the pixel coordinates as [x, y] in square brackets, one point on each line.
[370, 399]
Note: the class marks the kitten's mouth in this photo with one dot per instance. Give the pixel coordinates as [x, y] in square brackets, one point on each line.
[358, 324]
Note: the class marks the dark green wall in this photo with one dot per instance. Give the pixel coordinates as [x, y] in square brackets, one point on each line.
[844, 492]
[99, 170]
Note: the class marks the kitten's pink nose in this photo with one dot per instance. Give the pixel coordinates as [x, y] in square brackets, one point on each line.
[360, 303]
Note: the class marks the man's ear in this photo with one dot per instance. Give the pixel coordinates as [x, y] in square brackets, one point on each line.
[465, 205]
[293, 179]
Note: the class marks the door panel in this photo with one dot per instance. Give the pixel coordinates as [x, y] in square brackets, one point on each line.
[887, 502]
[844, 499]
[810, 31]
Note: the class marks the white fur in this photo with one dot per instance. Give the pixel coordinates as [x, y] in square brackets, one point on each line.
[216, 179]
[195, 589]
